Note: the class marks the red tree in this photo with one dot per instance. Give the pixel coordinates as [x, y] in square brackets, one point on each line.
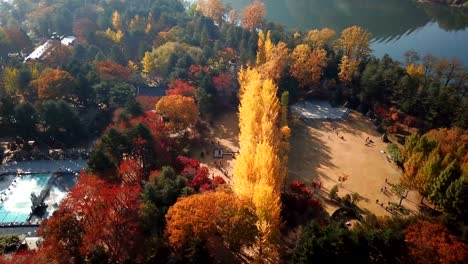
[433, 243]
[131, 172]
[180, 87]
[112, 71]
[108, 215]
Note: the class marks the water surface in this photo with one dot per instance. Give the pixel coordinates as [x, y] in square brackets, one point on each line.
[396, 25]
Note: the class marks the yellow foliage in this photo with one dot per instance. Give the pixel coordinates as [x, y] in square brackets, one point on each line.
[148, 63]
[271, 58]
[211, 214]
[355, 43]
[257, 173]
[414, 70]
[115, 36]
[307, 64]
[213, 9]
[347, 69]
[181, 111]
[320, 38]
[10, 80]
[285, 131]
[116, 21]
[132, 66]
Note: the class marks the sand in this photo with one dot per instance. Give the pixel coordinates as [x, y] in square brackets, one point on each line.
[318, 153]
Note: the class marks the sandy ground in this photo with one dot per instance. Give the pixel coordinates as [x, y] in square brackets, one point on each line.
[318, 153]
[222, 135]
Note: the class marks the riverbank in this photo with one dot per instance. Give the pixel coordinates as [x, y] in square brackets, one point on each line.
[42, 166]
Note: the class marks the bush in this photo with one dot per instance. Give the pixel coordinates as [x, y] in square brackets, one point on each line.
[334, 193]
[395, 153]
[8, 243]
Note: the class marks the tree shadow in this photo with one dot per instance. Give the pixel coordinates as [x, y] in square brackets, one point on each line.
[308, 152]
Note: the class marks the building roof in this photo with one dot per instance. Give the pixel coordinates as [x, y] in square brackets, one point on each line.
[39, 51]
[68, 40]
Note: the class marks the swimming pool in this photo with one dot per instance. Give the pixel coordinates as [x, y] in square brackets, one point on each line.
[16, 205]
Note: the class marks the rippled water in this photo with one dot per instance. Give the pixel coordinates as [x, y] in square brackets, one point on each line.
[396, 25]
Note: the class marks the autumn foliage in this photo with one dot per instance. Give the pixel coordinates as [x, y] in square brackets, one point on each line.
[112, 71]
[253, 15]
[433, 243]
[181, 111]
[307, 64]
[180, 87]
[210, 215]
[53, 84]
[107, 218]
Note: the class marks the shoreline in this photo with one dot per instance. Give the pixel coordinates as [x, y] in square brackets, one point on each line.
[42, 166]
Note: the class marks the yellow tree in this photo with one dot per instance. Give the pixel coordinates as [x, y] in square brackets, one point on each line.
[132, 66]
[116, 21]
[355, 43]
[271, 58]
[233, 17]
[307, 64]
[211, 215]
[10, 80]
[321, 38]
[148, 63]
[347, 69]
[181, 111]
[257, 175]
[253, 15]
[213, 9]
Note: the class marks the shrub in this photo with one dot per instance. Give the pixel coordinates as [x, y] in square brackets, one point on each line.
[395, 153]
[8, 243]
[334, 193]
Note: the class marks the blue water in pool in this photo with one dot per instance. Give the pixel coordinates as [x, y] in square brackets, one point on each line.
[16, 205]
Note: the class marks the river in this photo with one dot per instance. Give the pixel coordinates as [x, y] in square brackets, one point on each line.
[396, 25]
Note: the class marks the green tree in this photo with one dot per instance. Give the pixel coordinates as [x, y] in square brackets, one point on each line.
[437, 190]
[456, 201]
[25, 120]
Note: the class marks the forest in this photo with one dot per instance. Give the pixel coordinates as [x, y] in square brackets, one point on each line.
[146, 198]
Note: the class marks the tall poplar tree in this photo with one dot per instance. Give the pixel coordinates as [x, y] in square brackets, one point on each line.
[257, 171]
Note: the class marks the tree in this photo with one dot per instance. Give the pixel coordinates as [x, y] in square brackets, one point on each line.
[10, 80]
[321, 38]
[331, 243]
[253, 15]
[82, 28]
[213, 9]
[271, 58]
[180, 87]
[148, 63]
[112, 71]
[26, 119]
[59, 54]
[116, 21]
[432, 243]
[347, 69]
[307, 64]
[355, 43]
[257, 175]
[457, 199]
[438, 187]
[54, 84]
[212, 214]
[108, 214]
[63, 235]
[180, 110]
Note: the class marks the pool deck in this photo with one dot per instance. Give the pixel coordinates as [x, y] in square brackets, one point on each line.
[42, 166]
